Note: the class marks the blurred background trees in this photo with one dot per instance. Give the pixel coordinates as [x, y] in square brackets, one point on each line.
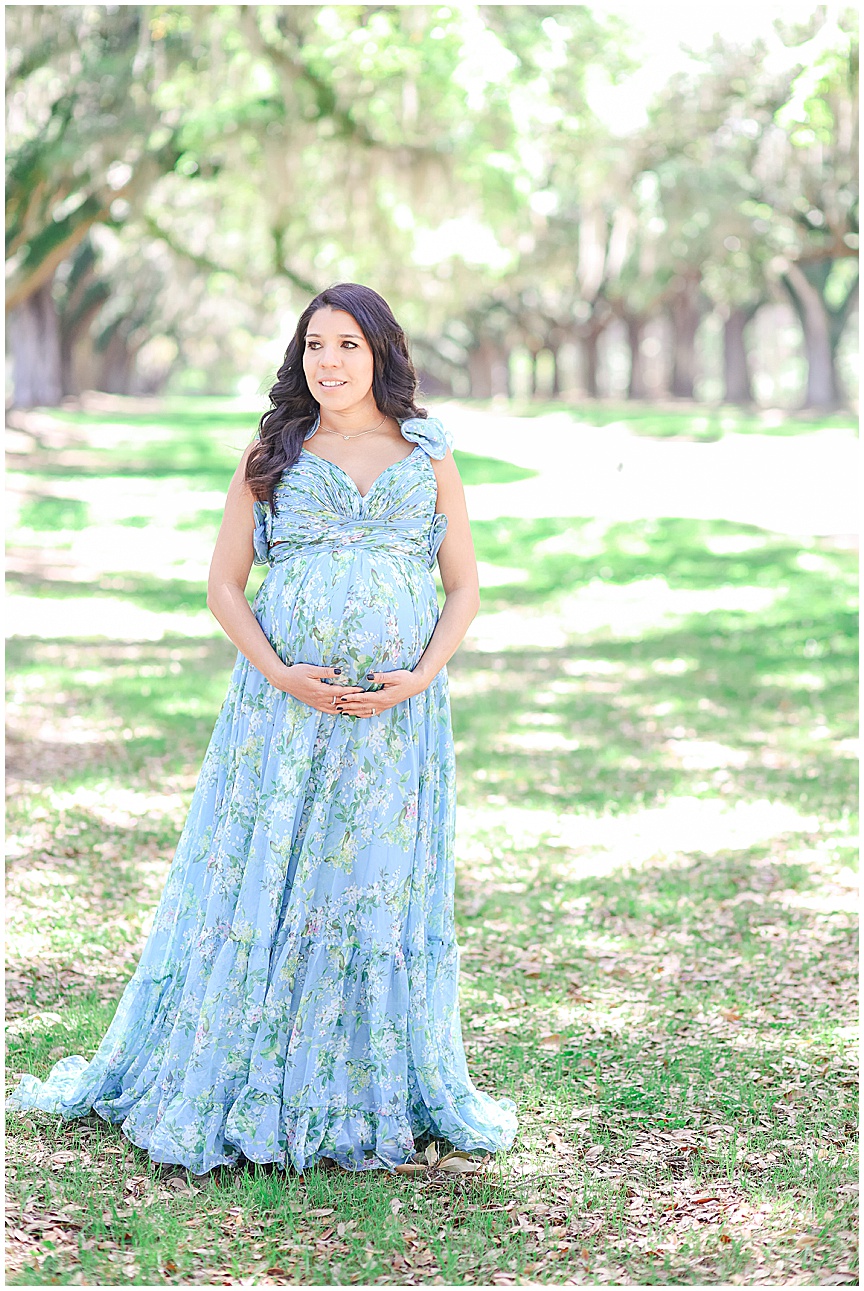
[181, 179]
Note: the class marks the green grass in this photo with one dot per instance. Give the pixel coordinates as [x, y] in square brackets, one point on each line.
[668, 996]
[50, 514]
[690, 421]
[198, 446]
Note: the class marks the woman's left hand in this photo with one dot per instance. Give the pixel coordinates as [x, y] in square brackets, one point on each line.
[398, 685]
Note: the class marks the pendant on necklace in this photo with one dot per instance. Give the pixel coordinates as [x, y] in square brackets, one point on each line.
[346, 436]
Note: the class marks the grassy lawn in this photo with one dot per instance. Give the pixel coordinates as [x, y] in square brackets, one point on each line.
[680, 419]
[655, 727]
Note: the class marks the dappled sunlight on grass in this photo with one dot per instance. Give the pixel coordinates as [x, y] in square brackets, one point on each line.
[617, 610]
[114, 805]
[651, 419]
[613, 474]
[564, 553]
[88, 617]
[655, 732]
[600, 844]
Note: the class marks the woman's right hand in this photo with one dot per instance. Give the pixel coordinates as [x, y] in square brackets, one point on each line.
[305, 682]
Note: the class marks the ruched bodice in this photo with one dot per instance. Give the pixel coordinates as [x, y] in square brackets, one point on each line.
[318, 506]
[350, 582]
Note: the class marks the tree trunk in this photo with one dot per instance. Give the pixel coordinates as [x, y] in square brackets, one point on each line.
[75, 333]
[480, 370]
[155, 382]
[589, 363]
[823, 390]
[34, 335]
[117, 365]
[736, 363]
[556, 375]
[488, 370]
[501, 372]
[685, 322]
[636, 387]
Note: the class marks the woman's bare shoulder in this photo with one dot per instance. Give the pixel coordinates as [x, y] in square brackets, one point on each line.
[244, 458]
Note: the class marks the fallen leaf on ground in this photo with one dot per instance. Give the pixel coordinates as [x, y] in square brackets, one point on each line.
[551, 1041]
[456, 1163]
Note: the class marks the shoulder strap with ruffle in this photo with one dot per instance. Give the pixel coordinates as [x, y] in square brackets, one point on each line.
[429, 433]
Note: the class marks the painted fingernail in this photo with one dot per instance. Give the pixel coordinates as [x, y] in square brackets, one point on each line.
[370, 676]
[337, 669]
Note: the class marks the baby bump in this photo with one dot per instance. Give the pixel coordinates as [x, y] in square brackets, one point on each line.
[363, 611]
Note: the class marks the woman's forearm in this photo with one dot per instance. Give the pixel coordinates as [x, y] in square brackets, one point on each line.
[459, 609]
[228, 605]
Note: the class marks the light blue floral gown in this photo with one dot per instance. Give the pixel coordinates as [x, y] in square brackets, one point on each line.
[297, 996]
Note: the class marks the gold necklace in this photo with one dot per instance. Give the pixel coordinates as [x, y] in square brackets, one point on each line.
[359, 432]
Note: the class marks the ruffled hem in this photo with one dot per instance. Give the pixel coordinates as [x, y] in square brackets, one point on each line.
[356, 1138]
[254, 1126]
[266, 1109]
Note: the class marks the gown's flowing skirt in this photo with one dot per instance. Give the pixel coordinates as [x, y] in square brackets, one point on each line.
[297, 996]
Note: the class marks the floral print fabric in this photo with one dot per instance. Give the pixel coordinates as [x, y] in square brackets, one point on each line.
[297, 996]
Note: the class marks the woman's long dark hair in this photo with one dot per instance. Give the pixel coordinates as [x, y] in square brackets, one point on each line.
[293, 410]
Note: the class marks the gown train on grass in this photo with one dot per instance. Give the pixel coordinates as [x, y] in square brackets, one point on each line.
[297, 996]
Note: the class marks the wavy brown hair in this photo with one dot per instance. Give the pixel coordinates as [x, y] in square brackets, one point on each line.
[293, 409]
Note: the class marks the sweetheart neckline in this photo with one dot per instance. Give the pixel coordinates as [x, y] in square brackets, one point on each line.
[350, 478]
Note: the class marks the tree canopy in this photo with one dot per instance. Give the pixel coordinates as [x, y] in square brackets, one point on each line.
[181, 178]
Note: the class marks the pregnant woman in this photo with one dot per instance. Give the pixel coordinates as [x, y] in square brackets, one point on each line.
[297, 996]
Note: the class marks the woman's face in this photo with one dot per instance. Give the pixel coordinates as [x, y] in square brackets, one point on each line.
[337, 360]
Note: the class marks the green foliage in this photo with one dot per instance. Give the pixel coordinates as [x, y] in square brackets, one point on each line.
[269, 150]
